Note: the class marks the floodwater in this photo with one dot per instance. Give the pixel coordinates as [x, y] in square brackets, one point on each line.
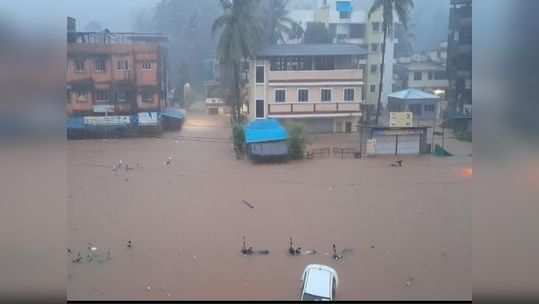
[409, 228]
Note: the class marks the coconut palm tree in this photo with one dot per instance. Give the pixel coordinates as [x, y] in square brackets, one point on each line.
[402, 9]
[278, 24]
[240, 35]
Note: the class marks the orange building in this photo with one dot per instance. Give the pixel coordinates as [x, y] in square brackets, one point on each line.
[115, 74]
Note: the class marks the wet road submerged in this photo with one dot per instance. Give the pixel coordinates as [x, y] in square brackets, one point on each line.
[409, 228]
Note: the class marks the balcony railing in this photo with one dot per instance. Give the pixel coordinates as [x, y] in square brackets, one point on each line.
[313, 108]
[332, 75]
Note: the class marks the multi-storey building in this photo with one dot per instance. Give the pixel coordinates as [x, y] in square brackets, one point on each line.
[349, 25]
[115, 79]
[319, 85]
[459, 61]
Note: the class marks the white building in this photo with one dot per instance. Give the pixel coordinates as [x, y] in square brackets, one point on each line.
[349, 25]
[318, 85]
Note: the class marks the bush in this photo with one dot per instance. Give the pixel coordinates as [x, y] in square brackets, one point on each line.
[296, 141]
[238, 135]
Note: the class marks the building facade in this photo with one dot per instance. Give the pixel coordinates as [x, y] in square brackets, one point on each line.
[349, 25]
[320, 86]
[459, 59]
[116, 78]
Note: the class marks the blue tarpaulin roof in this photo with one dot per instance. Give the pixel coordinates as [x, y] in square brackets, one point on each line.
[75, 123]
[265, 130]
[344, 6]
[173, 113]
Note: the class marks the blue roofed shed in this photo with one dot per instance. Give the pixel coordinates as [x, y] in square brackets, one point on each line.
[266, 138]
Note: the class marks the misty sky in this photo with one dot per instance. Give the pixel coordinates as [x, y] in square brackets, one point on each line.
[429, 20]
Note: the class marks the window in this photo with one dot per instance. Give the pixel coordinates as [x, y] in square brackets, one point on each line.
[440, 75]
[260, 74]
[468, 84]
[121, 96]
[295, 63]
[373, 88]
[374, 68]
[122, 65]
[259, 108]
[349, 94]
[79, 65]
[374, 47]
[303, 95]
[82, 96]
[100, 65]
[428, 108]
[147, 97]
[417, 76]
[280, 95]
[357, 30]
[376, 26]
[344, 15]
[325, 95]
[324, 63]
[146, 65]
[101, 96]
[431, 75]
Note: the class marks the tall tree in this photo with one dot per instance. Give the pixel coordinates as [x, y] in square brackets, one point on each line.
[241, 34]
[402, 9]
[277, 24]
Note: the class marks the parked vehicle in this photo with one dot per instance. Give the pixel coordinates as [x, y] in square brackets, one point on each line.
[318, 283]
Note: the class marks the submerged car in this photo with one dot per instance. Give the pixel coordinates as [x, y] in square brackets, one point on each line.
[318, 283]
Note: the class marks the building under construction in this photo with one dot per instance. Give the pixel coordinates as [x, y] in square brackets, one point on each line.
[116, 82]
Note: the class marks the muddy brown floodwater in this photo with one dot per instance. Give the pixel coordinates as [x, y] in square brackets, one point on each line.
[409, 228]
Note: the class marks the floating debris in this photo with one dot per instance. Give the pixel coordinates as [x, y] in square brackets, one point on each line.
[409, 281]
[247, 204]
[129, 244]
[148, 288]
[78, 259]
[68, 250]
[91, 247]
[169, 161]
[397, 163]
[336, 256]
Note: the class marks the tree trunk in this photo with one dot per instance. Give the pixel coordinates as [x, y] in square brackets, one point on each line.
[378, 106]
[237, 93]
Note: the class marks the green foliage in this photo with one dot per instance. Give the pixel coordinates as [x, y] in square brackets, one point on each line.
[241, 33]
[296, 141]
[238, 136]
[402, 9]
[316, 32]
[277, 24]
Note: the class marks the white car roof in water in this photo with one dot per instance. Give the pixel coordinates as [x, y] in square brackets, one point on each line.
[318, 280]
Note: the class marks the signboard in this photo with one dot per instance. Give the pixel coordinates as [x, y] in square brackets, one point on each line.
[107, 120]
[148, 119]
[396, 132]
[103, 108]
[400, 119]
[371, 146]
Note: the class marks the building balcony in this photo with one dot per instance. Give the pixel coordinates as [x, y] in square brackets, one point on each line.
[313, 109]
[316, 75]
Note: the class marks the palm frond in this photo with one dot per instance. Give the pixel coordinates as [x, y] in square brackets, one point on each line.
[220, 22]
[403, 9]
[375, 6]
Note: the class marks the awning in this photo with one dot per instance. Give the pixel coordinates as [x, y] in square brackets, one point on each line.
[265, 130]
[344, 6]
[173, 113]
